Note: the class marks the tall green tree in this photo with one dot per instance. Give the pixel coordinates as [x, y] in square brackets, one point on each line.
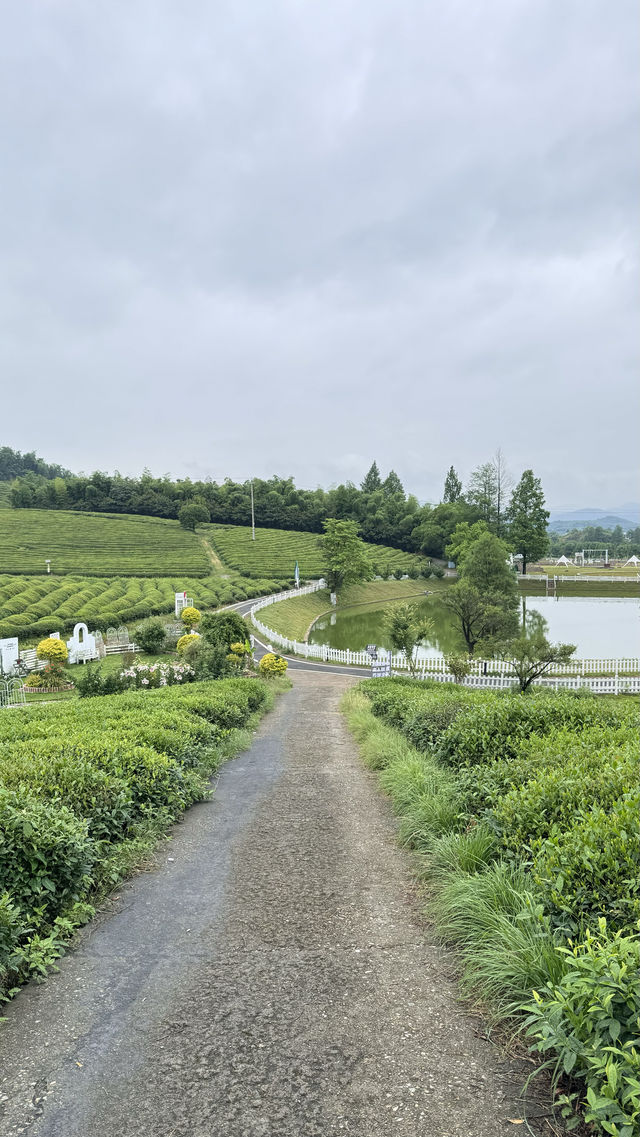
[372, 480]
[528, 519]
[452, 487]
[407, 629]
[487, 491]
[345, 556]
[392, 484]
[485, 598]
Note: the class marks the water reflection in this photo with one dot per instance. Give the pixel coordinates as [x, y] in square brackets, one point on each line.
[600, 626]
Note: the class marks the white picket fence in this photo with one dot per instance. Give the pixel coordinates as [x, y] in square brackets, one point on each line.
[585, 577]
[32, 663]
[603, 676]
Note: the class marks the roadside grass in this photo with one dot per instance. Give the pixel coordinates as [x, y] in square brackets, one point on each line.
[482, 904]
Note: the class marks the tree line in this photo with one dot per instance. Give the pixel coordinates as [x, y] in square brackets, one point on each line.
[384, 512]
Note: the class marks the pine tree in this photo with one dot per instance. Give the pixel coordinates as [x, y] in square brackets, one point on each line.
[392, 484]
[373, 481]
[452, 487]
[528, 517]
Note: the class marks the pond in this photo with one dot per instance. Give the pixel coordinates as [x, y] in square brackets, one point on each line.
[601, 627]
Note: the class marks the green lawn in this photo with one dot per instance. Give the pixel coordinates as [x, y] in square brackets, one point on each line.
[97, 544]
[582, 588]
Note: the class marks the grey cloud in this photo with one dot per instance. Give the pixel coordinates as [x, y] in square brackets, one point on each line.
[342, 231]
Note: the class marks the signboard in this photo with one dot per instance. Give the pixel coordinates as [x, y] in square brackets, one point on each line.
[381, 668]
[372, 650]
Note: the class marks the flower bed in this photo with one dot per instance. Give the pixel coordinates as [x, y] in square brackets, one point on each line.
[146, 675]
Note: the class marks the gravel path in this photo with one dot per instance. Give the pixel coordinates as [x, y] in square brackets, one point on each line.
[271, 978]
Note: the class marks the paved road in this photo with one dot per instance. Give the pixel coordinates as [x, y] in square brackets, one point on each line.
[270, 978]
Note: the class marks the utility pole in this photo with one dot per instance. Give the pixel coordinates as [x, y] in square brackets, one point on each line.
[253, 516]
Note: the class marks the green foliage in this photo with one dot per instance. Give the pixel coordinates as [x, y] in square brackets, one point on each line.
[32, 605]
[46, 855]
[458, 665]
[452, 487]
[88, 544]
[531, 656]
[591, 869]
[192, 514]
[185, 641]
[528, 519]
[407, 629]
[589, 1023]
[345, 556]
[150, 636]
[190, 617]
[272, 665]
[221, 629]
[55, 651]
[80, 784]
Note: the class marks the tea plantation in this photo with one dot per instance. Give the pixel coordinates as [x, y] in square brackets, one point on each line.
[34, 605]
[526, 816]
[275, 552]
[97, 544]
[124, 766]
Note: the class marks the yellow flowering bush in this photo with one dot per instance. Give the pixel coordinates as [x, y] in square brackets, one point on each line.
[272, 665]
[190, 617]
[55, 651]
[185, 641]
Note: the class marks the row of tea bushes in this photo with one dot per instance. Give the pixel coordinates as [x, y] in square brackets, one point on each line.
[37, 605]
[526, 811]
[275, 551]
[82, 785]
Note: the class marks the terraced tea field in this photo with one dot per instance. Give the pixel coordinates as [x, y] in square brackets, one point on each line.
[97, 544]
[38, 605]
[275, 552]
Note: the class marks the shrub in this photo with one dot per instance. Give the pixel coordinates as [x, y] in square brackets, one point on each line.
[591, 869]
[150, 636]
[55, 651]
[438, 572]
[185, 641]
[589, 1022]
[46, 854]
[459, 666]
[272, 665]
[221, 629]
[190, 617]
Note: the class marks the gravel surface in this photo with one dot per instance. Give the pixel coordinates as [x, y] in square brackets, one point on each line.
[270, 978]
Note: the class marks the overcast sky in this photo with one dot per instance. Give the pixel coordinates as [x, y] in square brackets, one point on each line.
[290, 237]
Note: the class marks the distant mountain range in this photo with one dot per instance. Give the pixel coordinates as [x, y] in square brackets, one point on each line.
[627, 516]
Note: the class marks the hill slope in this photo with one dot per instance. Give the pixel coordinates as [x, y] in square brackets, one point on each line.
[97, 544]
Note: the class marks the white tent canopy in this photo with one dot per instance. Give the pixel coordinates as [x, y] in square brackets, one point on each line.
[564, 561]
[634, 560]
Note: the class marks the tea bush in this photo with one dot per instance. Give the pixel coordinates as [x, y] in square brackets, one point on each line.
[78, 781]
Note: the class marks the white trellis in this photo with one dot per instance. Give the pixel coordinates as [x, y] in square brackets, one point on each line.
[12, 693]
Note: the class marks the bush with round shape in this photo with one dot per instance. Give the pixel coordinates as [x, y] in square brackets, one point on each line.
[54, 651]
[150, 636]
[272, 665]
[185, 641]
[190, 617]
[223, 628]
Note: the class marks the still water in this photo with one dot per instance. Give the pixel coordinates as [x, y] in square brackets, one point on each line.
[601, 627]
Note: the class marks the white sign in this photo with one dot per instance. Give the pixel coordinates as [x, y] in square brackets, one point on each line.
[381, 668]
[8, 655]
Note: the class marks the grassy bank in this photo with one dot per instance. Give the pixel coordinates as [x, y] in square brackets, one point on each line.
[86, 790]
[582, 588]
[292, 618]
[525, 814]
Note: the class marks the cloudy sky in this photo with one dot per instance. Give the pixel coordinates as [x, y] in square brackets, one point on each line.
[245, 238]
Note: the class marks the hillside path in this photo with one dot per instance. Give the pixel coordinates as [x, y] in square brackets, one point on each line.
[269, 978]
